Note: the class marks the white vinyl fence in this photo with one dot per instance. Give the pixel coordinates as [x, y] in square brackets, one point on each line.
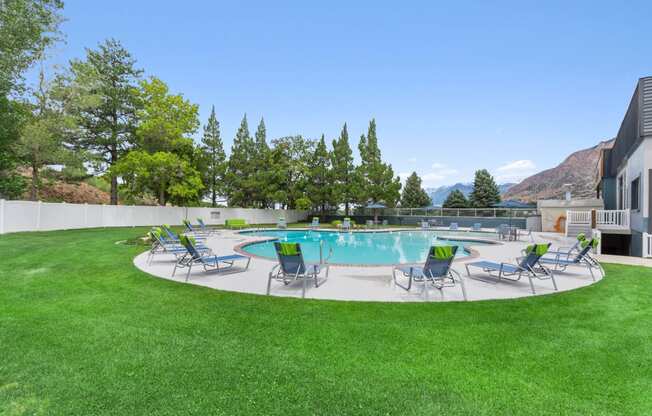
[42, 216]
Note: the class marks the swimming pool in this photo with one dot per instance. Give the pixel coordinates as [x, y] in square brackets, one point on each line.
[359, 248]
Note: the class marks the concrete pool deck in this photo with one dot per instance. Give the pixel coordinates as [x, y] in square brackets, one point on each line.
[369, 283]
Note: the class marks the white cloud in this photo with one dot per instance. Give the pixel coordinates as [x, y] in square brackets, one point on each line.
[436, 176]
[515, 171]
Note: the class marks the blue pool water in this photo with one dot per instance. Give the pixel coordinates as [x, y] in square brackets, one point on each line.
[380, 248]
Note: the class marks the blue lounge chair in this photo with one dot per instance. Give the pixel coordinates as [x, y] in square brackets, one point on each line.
[436, 270]
[528, 265]
[315, 222]
[281, 224]
[476, 227]
[346, 224]
[161, 246]
[173, 237]
[291, 267]
[206, 229]
[425, 224]
[561, 261]
[209, 262]
[194, 229]
[454, 226]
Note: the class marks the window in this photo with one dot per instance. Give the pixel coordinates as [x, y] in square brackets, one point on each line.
[634, 189]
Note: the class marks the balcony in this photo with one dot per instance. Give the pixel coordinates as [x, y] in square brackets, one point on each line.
[608, 220]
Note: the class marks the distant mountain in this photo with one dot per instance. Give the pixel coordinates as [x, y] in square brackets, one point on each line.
[580, 169]
[438, 195]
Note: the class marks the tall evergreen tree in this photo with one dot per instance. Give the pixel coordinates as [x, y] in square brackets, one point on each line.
[290, 171]
[376, 180]
[485, 192]
[260, 160]
[214, 158]
[413, 194]
[320, 186]
[240, 168]
[101, 94]
[343, 170]
[456, 199]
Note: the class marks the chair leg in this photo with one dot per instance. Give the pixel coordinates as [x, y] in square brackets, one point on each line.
[269, 283]
[529, 276]
[303, 293]
[591, 271]
[189, 268]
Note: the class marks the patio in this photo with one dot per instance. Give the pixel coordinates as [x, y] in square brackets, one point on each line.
[356, 283]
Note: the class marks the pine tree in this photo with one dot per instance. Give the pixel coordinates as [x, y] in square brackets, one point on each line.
[456, 199]
[343, 170]
[260, 159]
[485, 191]
[413, 194]
[100, 94]
[375, 180]
[240, 168]
[214, 171]
[320, 184]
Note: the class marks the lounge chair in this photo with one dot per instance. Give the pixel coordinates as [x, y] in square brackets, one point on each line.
[161, 245]
[528, 265]
[425, 225]
[206, 229]
[476, 227]
[567, 251]
[280, 223]
[369, 224]
[561, 261]
[454, 226]
[291, 267]
[436, 270]
[173, 237]
[346, 224]
[315, 222]
[194, 230]
[209, 262]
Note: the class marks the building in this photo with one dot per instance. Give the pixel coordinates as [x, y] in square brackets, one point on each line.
[625, 183]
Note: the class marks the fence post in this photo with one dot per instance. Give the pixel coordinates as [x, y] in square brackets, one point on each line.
[86, 214]
[38, 215]
[2, 216]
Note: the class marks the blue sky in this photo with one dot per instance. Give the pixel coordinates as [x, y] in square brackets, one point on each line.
[513, 87]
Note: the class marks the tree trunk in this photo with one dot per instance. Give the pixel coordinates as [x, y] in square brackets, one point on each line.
[114, 179]
[346, 208]
[33, 194]
[161, 196]
[214, 197]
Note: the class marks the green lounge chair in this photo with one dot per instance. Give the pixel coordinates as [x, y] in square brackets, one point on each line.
[436, 270]
[561, 261]
[291, 267]
[528, 265]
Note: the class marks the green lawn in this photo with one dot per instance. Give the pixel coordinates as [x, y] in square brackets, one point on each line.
[83, 332]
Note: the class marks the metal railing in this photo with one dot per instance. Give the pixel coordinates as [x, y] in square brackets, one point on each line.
[450, 212]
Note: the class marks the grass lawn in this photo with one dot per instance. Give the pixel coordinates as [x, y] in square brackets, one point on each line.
[83, 332]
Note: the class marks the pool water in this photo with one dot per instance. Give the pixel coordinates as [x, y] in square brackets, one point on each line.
[379, 248]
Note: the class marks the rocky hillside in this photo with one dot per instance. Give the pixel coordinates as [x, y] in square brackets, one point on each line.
[579, 169]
